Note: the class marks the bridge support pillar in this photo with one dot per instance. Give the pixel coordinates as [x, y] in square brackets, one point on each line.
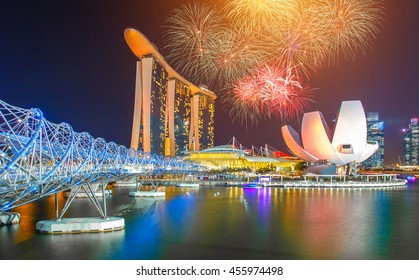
[83, 194]
[153, 193]
[9, 218]
[61, 225]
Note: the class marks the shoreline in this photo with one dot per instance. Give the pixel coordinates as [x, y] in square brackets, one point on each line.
[306, 181]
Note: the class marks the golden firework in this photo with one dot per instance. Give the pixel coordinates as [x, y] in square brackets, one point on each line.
[349, 25]
[257, 15]
[189, 31]
[234, 54]
[294, 37]
[298, 42]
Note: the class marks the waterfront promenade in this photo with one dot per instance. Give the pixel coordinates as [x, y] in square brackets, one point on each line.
[304, 181]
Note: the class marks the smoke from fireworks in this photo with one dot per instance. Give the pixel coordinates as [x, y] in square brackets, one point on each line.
[296, 36]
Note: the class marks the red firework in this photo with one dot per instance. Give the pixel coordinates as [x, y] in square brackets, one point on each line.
[268, 92]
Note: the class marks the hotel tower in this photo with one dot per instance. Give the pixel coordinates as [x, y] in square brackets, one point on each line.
[171, 115]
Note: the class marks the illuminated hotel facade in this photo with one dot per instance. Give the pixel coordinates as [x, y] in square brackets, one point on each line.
[171, 114]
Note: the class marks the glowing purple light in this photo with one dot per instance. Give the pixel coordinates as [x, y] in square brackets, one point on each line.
[411, 178]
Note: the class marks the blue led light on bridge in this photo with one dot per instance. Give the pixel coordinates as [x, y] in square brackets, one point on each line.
[49, 158]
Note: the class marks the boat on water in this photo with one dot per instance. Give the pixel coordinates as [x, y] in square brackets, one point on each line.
[409, 177]
[252, 185]
[233, 184]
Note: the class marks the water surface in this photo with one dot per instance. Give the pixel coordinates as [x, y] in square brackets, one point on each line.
[232, 223]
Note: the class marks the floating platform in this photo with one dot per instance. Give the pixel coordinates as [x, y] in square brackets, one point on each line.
[80, 225]
[9, 218]
[188, 185]
[147, 194]
[83, 194]
[126, 183]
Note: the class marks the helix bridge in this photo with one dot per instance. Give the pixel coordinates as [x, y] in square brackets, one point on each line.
[39, 158]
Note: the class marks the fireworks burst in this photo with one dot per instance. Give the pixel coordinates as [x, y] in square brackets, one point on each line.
[257, 15]
[350, 25]
[234, 55]
[190, 29]
[294, 37]
[298, 43]
[268, 92]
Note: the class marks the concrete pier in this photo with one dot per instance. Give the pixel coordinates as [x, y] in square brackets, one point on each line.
[9, 218]
[80, 225]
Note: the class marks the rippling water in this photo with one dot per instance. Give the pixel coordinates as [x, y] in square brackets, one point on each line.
[232, 223]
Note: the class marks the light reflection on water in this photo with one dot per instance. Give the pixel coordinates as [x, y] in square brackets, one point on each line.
[232, 223]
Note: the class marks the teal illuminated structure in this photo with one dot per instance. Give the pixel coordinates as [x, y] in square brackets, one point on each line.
[39, 159]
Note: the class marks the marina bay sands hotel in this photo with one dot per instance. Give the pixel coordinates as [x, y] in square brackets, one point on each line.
[171, 115]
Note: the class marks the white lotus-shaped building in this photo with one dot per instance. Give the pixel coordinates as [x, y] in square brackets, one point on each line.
[348, 143]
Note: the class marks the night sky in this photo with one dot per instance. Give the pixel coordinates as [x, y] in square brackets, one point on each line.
[70, 59]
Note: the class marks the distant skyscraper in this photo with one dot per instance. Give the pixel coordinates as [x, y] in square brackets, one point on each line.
[375, 132]
[171, 114]
[411, 143]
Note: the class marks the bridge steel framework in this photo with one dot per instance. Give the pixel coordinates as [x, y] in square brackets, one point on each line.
[39, 158]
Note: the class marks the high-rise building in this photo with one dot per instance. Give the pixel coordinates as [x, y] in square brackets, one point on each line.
[158, 100]
[171, 114]
[375, 132]
[206, 121]
[411, 143]
[202, 128]
[179, 117]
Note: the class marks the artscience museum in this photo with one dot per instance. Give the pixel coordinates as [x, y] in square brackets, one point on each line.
[318, 143]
